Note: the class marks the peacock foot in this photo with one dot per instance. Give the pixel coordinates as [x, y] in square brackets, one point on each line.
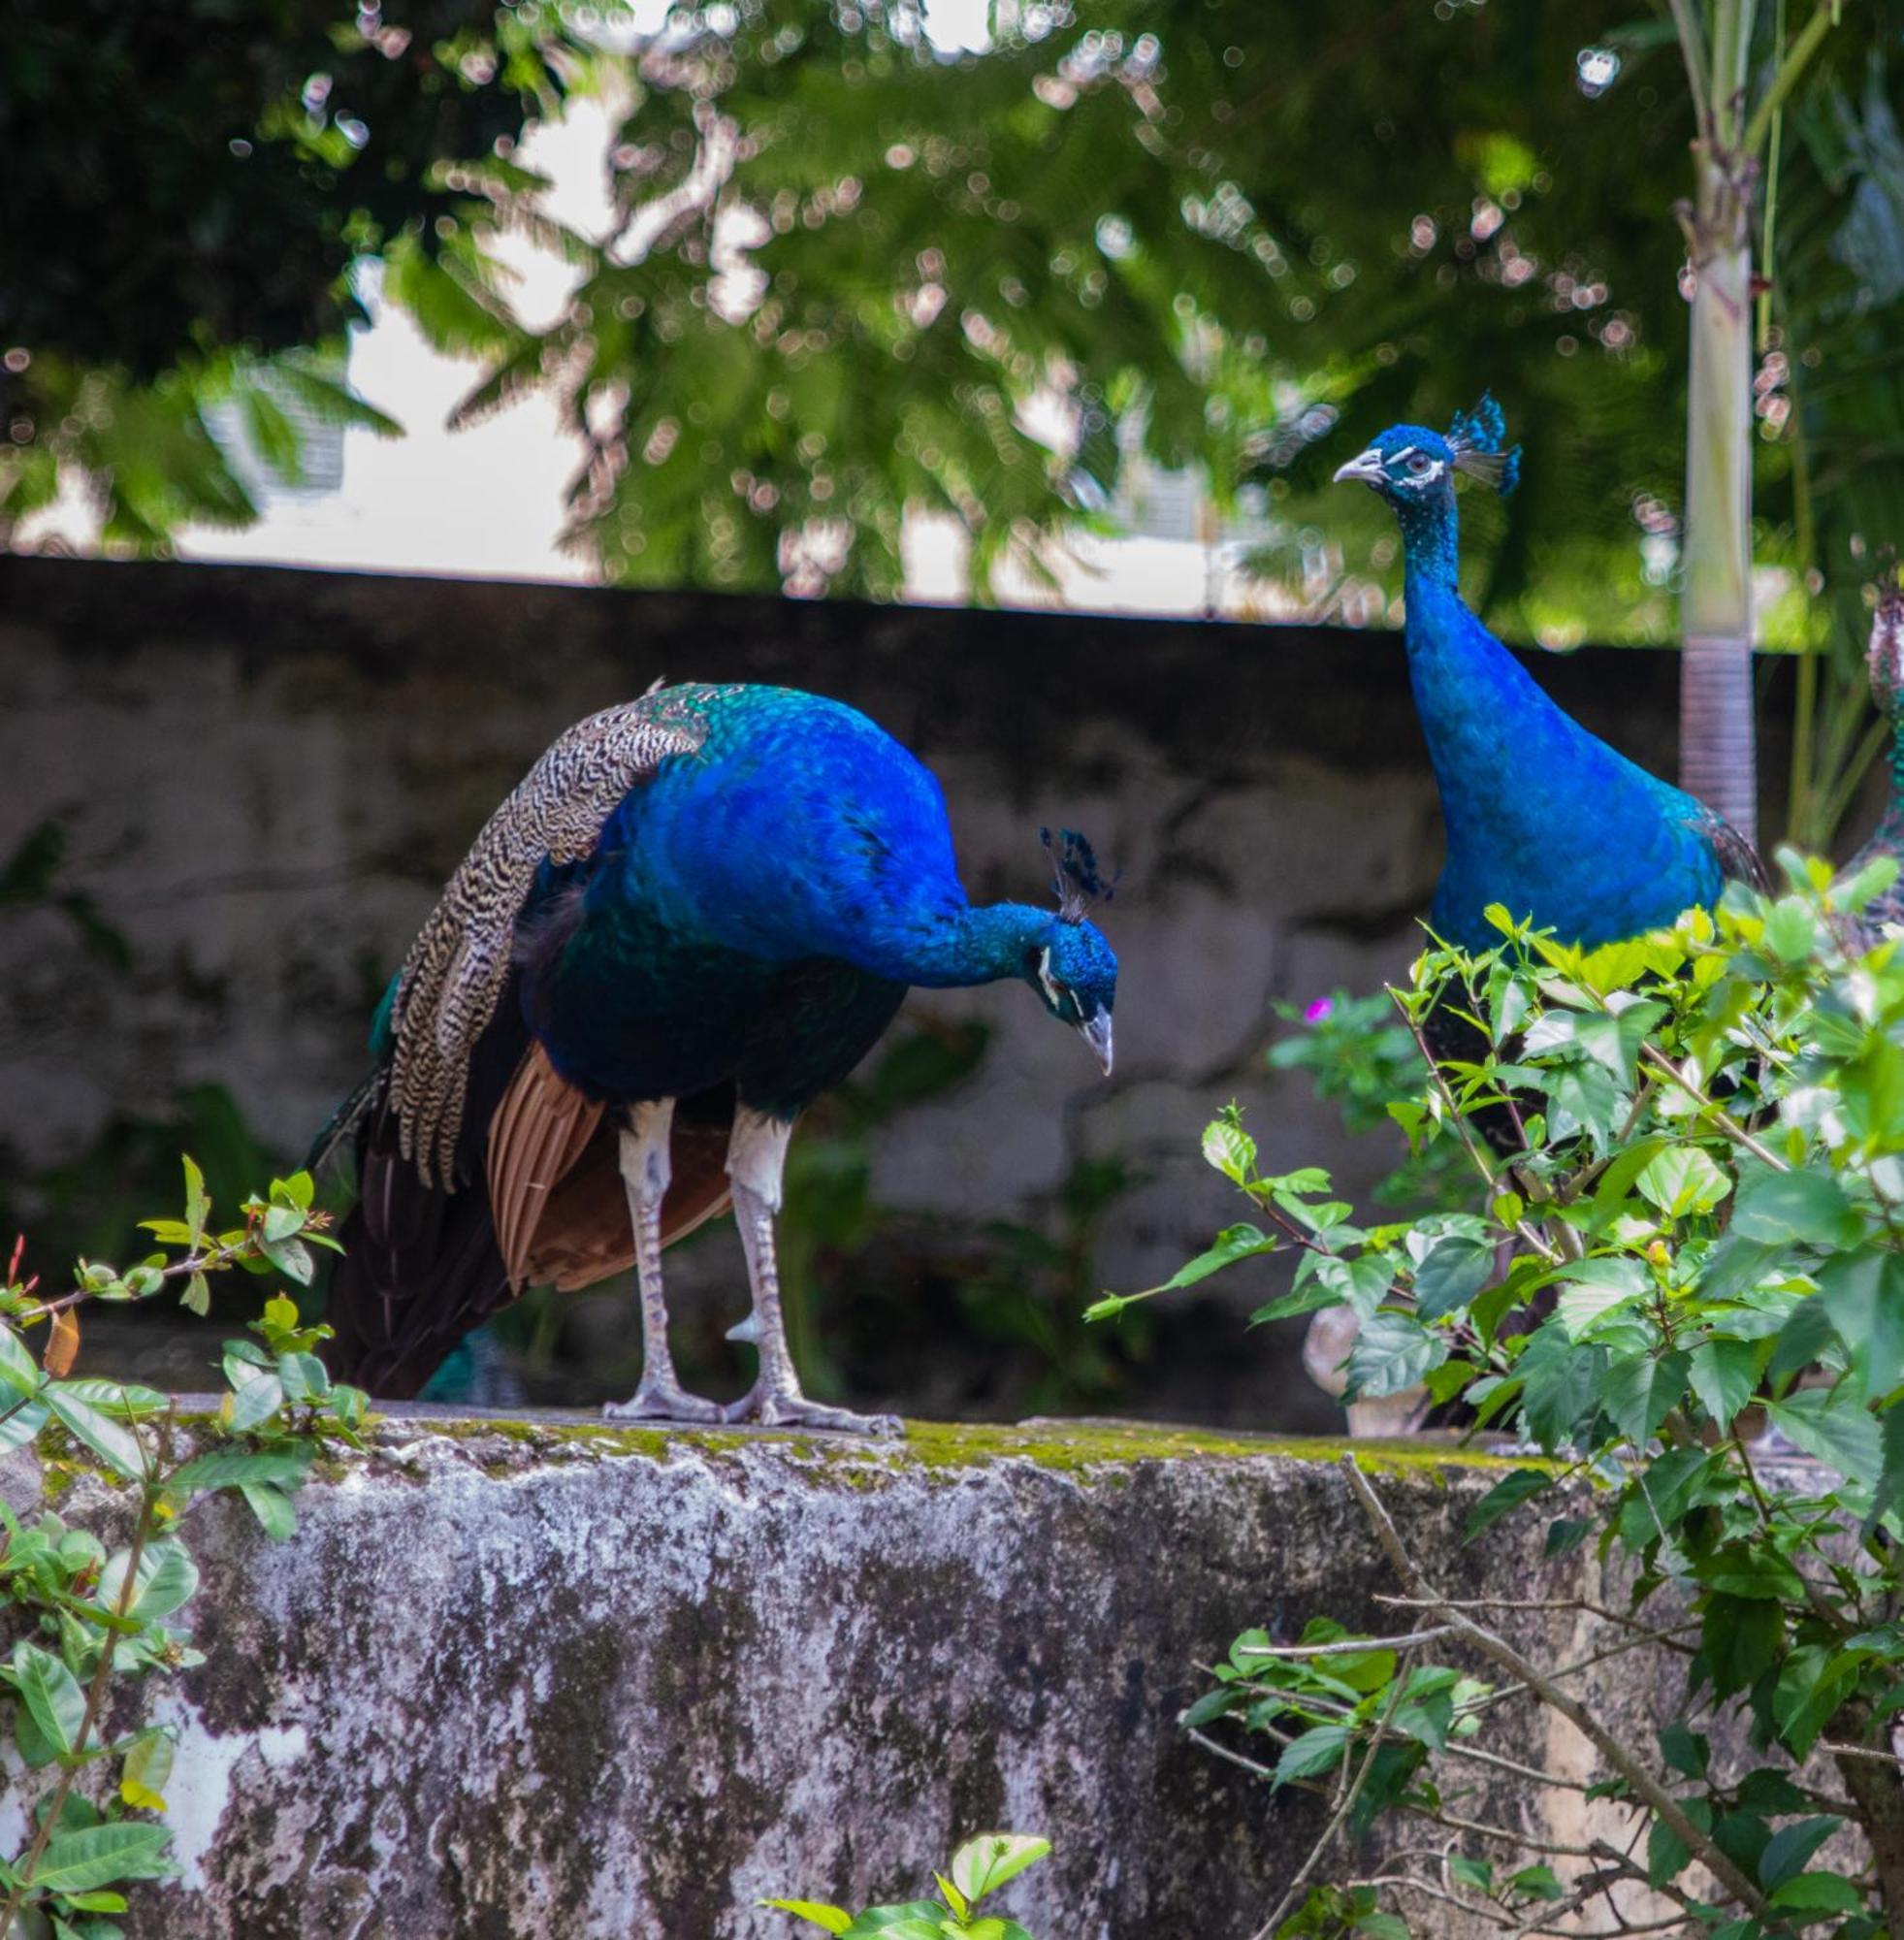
[773, 1408]
[664, 1401]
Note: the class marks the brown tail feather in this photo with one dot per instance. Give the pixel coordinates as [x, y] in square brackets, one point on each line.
[555, 1181]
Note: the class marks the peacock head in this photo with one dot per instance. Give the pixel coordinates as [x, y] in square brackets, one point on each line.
[1071, 967]
[1412, 467]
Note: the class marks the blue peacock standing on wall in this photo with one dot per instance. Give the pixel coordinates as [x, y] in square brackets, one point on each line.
[1542, 816]
[695, 914]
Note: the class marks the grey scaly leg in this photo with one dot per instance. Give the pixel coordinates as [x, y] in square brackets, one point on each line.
[645, 1171]
[757, 1154]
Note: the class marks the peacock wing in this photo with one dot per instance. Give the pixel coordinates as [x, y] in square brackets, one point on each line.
[1738, 861]
[555, 1186]
[455, 974]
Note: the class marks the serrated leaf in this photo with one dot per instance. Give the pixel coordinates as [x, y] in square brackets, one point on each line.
[1682, 1180]
[1391, 1354]
[1841, 1433]
[1790, 1846]
[1507, 1494]
[1315, 1751]
[1451, 1272]
[1722, 1375]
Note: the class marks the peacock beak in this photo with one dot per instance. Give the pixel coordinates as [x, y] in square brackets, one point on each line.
[1095, 1030]
[1365, 469]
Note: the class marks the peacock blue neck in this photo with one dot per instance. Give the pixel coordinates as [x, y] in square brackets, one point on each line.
[1541, 816]
[1431, 539]
[950, 947]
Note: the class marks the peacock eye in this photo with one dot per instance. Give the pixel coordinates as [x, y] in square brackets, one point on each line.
[1418, 463]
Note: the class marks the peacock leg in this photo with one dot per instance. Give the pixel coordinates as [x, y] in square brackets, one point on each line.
[645, 1171]
[757, 1155]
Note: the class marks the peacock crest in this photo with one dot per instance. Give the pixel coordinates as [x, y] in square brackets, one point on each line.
[1477, 437]
[1075, 874]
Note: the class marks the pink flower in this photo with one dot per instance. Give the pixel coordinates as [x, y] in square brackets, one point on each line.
[1318, 1009]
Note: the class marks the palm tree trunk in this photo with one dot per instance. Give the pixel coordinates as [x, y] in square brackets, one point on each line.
[1717, 757]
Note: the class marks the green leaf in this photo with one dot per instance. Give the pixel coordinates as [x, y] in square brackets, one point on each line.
[147, 1769]
[1863, 1294]
[1230, 1150]
[1686, 1751]
[1391, 1354]
[829, 1918]
[1232, 1243]
[228, 1467]
[51, 1695]
[100, 1854]
[1668, 1855]
[19, 1423]
[1561, 1384]
[1641, 1390]
[20, 1371]
[116, 1446]
[197, 1297]
[984, 1864]
[271, 1507]
[167, 1581]
[1476, 1874]
[1722, 1375]
[1314, 1752]
[1683, 1179]
[1839, 1430]
[256, 1402]
[1741, 1638]
[1593, 1289]
[1451, 1272]
[291, 1257]
[1537, 1883]
[1807, 1207]
[1510, 1492]
[1790, 1846]
[197, 1205]
[1818, 1893]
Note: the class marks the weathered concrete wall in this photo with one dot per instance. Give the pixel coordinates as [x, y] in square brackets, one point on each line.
[265, 777]
[514, 1679]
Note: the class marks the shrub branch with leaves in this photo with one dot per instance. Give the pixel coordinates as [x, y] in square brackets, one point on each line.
[978, 1869]
[89, 1623]
[1697, 1228]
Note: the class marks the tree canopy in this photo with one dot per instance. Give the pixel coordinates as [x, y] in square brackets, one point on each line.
[854, 272]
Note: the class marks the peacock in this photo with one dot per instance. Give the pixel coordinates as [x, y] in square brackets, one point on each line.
[1884, 661]
[695, 914]
[1542, 816]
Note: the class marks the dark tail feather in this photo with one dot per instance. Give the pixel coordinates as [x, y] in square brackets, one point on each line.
[420, 1266]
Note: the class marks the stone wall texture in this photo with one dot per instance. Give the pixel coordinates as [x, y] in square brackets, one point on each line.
[522, 1678]
[263, 778]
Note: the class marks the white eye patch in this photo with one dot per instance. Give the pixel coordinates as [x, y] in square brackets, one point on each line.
[1044, 977]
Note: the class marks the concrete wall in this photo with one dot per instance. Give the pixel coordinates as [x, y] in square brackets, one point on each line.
[517, 1678]
[265, 776]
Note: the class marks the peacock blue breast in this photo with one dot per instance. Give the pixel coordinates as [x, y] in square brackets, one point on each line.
[703, 942]
[1542, 816]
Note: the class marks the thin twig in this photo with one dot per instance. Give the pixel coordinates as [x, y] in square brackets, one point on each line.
[1348, 1646]
[1293, 1890]
[1719, 1863]
[1723, 1118]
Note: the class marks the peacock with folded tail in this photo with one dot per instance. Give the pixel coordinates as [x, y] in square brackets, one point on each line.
[695, 915]
[1542, 816]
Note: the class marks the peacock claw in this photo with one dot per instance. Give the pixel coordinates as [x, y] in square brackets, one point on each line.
[774, 1409]
[664, 1401]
